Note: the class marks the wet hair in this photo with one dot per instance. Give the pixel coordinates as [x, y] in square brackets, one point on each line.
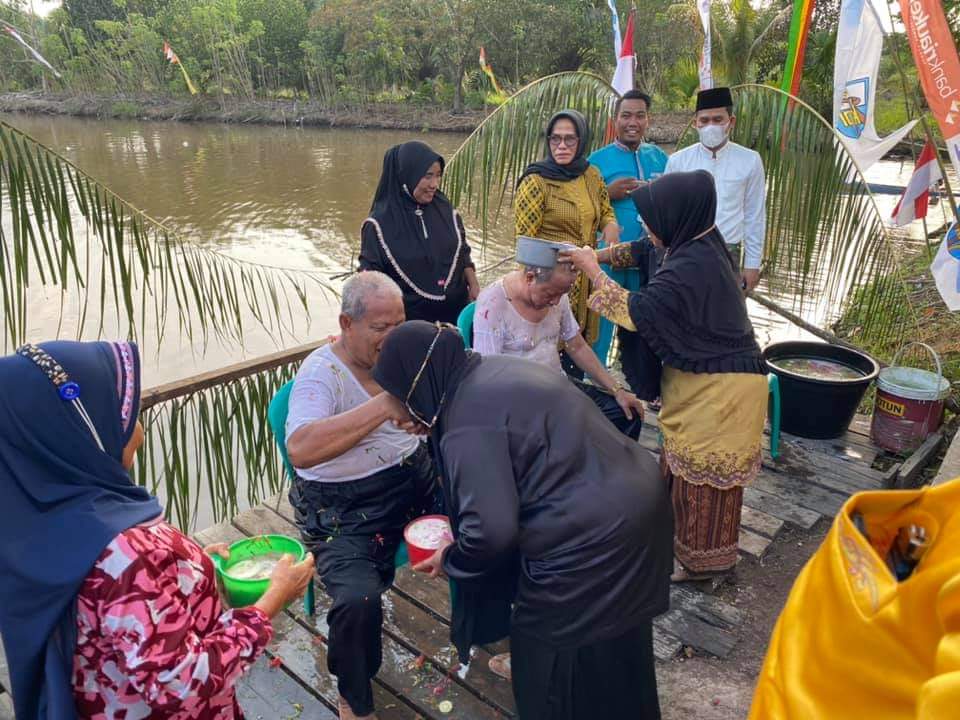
[542, 274]
[632, 95]
[360, 287]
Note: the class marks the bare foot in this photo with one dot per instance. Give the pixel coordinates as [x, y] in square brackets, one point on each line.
[681, 574]
[500, 666]
[348, 714]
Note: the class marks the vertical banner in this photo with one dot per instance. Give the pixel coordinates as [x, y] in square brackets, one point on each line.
[706, 61]
[797, 48]
[855, 73]
[939, 68]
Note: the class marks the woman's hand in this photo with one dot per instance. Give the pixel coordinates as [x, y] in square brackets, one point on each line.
[584, 259]
[611, 234]
[433, 565]
[473, 285]
[221, 549]
[287, 583]
[629, 403]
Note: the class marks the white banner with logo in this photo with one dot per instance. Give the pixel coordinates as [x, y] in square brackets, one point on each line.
[857, 65]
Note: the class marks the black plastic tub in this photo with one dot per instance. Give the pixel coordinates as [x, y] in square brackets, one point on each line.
[814, 407]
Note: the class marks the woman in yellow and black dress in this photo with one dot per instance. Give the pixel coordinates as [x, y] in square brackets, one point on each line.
[694, 344]
[564, 199]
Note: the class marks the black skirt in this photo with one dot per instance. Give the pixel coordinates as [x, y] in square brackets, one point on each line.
[612, 678]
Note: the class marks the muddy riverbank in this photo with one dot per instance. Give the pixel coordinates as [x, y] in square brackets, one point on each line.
[666, 127]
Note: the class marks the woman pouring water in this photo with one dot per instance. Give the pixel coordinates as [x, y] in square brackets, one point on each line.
[106, 610]
[691, 322]
[531, 468]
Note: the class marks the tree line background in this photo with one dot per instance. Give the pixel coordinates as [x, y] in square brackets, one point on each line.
[351, 52]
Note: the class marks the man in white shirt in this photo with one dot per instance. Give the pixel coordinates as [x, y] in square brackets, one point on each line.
[738, 172]
[527, 314]
[360, 479]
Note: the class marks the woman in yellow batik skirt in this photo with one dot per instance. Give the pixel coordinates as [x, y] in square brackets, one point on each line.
[694, 345]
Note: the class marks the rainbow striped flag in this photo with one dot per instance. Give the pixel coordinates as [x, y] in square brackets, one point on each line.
[799, 29]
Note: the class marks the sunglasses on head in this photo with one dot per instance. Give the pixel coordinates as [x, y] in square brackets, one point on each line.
[441, 326]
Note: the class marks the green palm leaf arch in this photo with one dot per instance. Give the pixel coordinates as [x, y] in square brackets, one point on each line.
[64, 230]
[827, 246]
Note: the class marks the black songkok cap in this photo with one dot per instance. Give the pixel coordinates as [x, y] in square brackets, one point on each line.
[714, 98]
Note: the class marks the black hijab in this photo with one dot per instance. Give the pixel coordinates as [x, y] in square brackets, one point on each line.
[548, 167]
[393, 205]
[403, 355]
[480, 614]
[692, 313]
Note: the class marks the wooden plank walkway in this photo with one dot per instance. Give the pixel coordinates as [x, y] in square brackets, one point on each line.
[809, 481]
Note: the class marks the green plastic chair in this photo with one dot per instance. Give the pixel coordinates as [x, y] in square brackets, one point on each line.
[774, 384]
[465, 324]
[277, 412]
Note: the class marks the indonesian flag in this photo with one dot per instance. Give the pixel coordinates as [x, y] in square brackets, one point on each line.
[626, 62]
[913, 203]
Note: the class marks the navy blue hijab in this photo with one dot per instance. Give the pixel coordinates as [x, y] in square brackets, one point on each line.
[62, 500]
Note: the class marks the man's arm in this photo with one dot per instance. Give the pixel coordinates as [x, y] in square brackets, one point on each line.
[754, 216]
[329, 437]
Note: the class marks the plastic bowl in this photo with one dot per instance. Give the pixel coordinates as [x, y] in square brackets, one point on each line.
[417, 553]
[239, 592]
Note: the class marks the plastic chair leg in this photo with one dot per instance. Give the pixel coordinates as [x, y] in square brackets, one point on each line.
[310, 601]
[774, 383]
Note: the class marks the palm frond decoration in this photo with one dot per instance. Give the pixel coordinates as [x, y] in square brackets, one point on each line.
[827, 244]
[109, 264]
[483, 171]
[213, 448]
[826, 240]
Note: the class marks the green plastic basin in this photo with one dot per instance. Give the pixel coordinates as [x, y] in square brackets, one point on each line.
[239, 592]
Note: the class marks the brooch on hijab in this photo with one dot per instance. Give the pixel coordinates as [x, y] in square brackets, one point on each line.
[418, 212]
[68, 390]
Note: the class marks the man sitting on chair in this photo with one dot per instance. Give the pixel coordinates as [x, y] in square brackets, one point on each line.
[527, 314]
[360, 478]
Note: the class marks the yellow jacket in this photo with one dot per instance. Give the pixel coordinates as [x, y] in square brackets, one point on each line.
[852, 643]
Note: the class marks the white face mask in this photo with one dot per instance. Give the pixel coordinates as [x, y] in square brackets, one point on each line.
[713, 136]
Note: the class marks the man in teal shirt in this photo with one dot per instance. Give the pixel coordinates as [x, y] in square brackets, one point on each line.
[625, 164]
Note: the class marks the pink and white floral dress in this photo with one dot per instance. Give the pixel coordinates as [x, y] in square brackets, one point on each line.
[153, 640]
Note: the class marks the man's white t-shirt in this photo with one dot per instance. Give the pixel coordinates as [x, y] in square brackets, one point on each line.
[325, 387]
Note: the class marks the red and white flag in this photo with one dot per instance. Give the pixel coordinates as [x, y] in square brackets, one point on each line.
[626, 62]
[916, 196]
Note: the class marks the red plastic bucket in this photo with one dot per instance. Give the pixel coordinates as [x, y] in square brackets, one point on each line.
[419, 553]
[909, 404]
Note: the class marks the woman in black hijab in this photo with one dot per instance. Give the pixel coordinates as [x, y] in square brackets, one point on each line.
[532, 471]
[563, 198]
[415, 236]
[691, 322]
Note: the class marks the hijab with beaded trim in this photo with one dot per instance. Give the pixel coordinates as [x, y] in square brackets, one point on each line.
[426, 239]
[62, 501]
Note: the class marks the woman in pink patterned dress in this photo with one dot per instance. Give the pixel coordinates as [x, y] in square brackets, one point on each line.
[109, 612]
